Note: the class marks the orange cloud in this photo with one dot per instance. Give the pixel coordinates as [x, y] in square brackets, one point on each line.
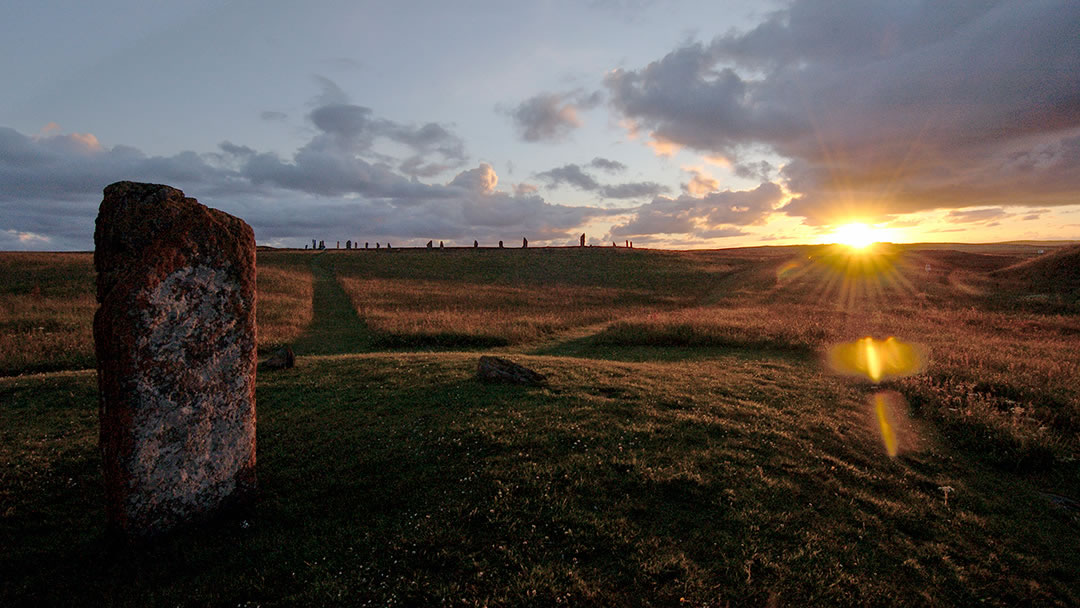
[661, 146]
[701, 183]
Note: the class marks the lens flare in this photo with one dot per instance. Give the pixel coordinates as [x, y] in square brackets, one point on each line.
[888, 435]
[876, 360]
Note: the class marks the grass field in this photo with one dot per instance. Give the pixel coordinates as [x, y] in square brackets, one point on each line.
[691, 447]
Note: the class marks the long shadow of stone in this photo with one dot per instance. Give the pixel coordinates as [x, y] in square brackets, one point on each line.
[335, 327]
[590, 347]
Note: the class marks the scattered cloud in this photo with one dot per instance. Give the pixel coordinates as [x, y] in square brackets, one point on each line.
[701, 183]
[573, 175]
[877, 107]
[481, 180]
[714, 215]
[604, 164]
[523, 189]
[551, 117]
[338, 183]
[13, 240]
[570, 174]
[975, 215]
[273, 116]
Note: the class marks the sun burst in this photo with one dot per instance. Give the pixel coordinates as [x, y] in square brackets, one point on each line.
[856, 236]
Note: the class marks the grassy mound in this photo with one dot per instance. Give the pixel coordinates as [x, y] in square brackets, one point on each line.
[1056, 272]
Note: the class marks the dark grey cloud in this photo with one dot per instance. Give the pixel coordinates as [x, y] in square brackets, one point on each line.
[632, 190]
[715, 215]
[604, 164]
[573, 175]
[551, 117]
[879, 107]
[569, 174]
[348, 128]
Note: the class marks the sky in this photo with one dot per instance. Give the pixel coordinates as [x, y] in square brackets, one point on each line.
[672, 124]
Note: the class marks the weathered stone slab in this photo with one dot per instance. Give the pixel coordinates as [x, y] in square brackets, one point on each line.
[175, 340]
[497, 369]
[282, 358]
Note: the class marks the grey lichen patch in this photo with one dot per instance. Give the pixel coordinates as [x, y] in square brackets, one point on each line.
[192, 425]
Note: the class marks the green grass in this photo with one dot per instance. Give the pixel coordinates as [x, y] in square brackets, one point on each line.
[400, 480]
[690, 448]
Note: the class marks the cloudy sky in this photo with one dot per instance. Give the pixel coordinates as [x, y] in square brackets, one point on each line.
[672, 124]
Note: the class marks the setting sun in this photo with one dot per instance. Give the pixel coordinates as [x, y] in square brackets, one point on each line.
[856, 236]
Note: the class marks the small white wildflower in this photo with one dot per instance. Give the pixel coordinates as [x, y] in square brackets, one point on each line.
[947, 490]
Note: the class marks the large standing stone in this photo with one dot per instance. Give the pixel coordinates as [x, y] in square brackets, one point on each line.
[175, 341]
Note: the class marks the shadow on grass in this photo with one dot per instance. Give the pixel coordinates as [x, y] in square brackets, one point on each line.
[612, 346]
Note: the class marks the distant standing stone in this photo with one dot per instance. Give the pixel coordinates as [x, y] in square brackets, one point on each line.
[429, 244]
[496, 369]
[475, 244]
[175, 342]
[348, 244]
[440, 245]
[524, 242]
[500, 245]
[582, 239]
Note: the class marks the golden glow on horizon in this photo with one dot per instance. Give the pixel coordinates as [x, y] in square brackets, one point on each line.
[856, 236]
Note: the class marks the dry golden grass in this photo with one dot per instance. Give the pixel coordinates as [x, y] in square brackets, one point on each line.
[47, 304]
[284, 307]
[1002, 379]
[508, 315]
[46, 311]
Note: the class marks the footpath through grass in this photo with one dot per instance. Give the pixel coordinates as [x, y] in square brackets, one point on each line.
[335, 327]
